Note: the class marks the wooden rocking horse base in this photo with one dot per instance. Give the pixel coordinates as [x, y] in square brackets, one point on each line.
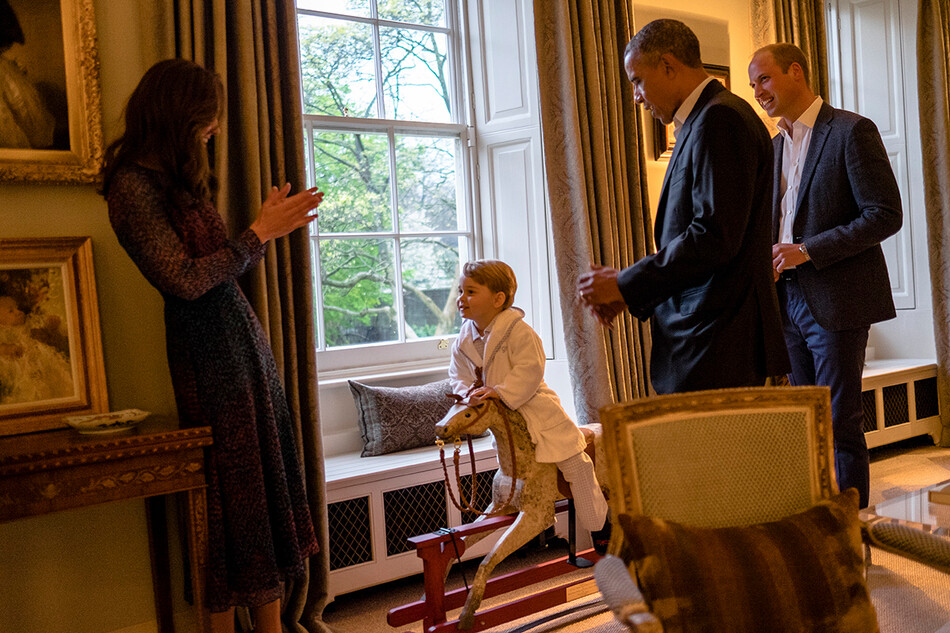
[438, 548]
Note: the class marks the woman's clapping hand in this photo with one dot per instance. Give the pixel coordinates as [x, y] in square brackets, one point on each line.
[281, 214]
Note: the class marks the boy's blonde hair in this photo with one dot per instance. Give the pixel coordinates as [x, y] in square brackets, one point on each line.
[496, 275]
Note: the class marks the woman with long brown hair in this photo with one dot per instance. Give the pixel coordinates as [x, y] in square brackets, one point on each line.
[161, 192]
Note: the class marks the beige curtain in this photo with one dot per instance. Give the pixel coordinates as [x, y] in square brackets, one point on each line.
[799, 22]
[933, 86]
[594, 161]
[252, 44]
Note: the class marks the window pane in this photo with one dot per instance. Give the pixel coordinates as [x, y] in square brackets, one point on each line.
[352, 168]
[357, 276]
[426, 173]
[430, 273]
[346, 7]
[428, 12]
[336, 67]
[416, 75]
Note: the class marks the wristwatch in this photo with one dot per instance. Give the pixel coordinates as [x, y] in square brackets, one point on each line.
[804, 251]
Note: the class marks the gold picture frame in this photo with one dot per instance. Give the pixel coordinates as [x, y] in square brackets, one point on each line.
[663, 140]
[51, 362]
[60, 76]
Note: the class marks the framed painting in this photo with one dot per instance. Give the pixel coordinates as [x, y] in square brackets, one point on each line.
[50, 113]
[51, 361]
[663, 139]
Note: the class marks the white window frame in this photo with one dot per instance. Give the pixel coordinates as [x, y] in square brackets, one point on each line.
[383, 357]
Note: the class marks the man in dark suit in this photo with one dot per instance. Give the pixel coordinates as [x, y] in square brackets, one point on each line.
[707, 290]
[835, 200]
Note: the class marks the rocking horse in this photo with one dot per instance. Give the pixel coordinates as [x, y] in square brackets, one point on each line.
[521, 485]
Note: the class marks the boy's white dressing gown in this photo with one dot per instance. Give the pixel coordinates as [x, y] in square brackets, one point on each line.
[513, 364]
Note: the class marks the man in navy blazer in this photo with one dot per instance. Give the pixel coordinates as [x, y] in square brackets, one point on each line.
[835, 200]
[708, 289]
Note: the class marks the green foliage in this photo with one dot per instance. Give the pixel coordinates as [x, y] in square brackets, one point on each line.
[353, 170]
[357, 292]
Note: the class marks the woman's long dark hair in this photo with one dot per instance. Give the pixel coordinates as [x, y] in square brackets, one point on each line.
[10, 31]
[173, 104]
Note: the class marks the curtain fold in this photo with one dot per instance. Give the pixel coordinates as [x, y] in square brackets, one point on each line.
[253, 46]
[595, 166]
[933, 85]
[799, 22]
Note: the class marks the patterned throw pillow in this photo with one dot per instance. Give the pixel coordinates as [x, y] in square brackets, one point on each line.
[396, 418]
[802, 574]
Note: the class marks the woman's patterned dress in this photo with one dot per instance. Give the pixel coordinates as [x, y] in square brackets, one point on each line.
[224, 375]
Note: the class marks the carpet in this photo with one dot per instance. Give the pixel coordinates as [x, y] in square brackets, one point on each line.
[909, 597]
[907, 466]
[585, 615]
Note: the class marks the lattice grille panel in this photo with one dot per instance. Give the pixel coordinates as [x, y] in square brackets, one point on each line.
[895, 405]
[870, 411]
[413, 511]
[483, 492]
[351, 532]
[925, 396]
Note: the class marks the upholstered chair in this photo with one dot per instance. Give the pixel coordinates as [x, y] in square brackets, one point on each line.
[727, 516]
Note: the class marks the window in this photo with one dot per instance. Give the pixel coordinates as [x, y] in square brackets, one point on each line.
[387, 140]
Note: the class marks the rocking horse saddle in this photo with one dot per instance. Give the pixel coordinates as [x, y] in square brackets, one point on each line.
[563, 487]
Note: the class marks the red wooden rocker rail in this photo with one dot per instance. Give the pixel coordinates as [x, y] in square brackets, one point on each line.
[436, 550]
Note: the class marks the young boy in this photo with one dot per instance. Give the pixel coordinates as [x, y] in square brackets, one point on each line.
[498, 355]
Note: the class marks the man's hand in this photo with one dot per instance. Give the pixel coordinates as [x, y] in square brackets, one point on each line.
[599, 291]
[599, 286]
[786, 256]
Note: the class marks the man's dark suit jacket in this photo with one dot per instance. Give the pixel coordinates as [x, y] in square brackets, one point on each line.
[848, 203]
[708, 288]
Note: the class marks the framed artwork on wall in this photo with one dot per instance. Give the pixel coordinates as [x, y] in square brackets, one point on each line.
[663, 139]
[51, 362]
[50, 112]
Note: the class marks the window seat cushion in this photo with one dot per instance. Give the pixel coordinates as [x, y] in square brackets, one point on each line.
[398, 418]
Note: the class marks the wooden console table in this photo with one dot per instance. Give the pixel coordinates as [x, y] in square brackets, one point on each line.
[59, 470]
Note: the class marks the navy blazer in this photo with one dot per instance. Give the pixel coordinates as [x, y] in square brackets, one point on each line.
[708, 289]
[848, 203]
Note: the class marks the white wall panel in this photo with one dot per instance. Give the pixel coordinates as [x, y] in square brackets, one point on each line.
[506, 78]
[876, 64]
[871, 83]
[510, 169]
[521, 239]
[897, 248]
[873, 71]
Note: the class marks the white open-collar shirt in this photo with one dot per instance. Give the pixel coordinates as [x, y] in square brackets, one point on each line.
[794, 150]
[682, 112]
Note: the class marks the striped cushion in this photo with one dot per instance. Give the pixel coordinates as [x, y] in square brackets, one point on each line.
[803, 573]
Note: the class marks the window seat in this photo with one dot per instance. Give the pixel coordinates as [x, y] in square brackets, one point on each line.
[900, 400]
[349, 469]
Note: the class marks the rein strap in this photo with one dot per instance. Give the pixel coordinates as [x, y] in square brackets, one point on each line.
[466, 504]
